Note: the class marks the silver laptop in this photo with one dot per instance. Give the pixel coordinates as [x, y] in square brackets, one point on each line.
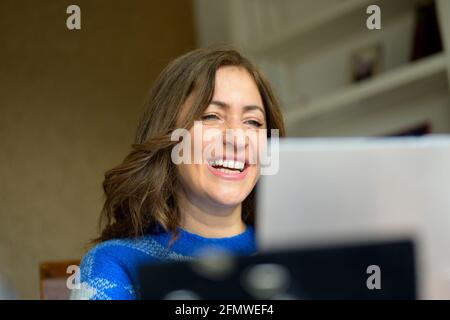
[332, 191]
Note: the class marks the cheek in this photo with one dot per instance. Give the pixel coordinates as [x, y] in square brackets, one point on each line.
[254, 176]
[256, 146]
[188, 174]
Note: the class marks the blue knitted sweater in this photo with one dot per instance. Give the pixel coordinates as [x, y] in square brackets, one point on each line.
[110, 269]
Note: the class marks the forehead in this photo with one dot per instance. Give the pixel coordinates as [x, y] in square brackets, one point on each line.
[237, 85]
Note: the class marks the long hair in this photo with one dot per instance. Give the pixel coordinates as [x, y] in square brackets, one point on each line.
[140, 192]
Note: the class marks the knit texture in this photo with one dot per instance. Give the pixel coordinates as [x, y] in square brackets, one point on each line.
[109, 271]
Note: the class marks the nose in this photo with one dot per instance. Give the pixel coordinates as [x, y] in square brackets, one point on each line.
[234, 139]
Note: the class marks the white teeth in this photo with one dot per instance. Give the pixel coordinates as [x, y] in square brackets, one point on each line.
[231, 164]
[227, 171]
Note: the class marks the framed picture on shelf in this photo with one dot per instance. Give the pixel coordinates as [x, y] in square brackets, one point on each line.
[366, 62]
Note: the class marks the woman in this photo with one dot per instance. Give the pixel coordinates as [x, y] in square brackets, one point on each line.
[156, 210]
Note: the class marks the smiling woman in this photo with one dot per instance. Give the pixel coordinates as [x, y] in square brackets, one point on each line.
[156, 210]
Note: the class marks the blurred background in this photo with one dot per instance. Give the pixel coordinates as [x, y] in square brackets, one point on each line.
[70, 99]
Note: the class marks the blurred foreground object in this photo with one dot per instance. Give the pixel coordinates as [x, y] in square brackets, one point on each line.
[354, 190]
[329, 272]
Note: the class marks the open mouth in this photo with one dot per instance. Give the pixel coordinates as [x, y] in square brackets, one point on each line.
[228, 166]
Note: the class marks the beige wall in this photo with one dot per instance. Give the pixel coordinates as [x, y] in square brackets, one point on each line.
[69, 103]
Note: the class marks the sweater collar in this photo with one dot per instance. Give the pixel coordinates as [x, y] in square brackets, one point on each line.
[192, 244]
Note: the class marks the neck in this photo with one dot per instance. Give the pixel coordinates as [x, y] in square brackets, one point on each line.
[209, 220]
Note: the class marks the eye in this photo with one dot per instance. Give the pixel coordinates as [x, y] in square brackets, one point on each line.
[254, 123]
[209, 117]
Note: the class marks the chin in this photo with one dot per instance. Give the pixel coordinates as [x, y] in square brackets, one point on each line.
[229, 198]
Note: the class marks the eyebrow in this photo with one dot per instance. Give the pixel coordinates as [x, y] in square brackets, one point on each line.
[246, 108]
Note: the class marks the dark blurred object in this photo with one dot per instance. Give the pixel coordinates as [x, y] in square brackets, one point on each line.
[415, 131]
[337, 272]
[427, 38]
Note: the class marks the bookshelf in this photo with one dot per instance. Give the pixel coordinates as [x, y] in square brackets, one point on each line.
[304, 47]
[387, 81]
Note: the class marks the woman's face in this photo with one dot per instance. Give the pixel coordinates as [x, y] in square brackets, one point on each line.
[226, 179]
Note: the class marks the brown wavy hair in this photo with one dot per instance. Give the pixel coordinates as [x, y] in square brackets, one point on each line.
[140, 192]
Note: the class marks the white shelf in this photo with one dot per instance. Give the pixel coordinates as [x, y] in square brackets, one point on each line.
[306, 26]
[384, 82]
